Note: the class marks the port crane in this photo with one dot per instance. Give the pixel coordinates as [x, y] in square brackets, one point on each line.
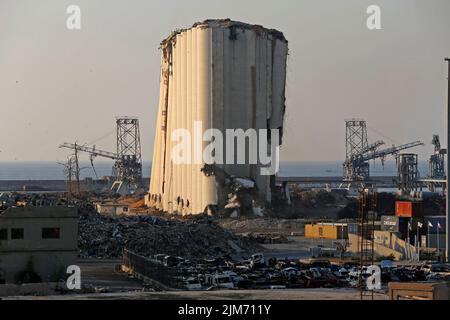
[360, 152]
[438, 176]
[127, 168]
[357, 167]
[437, 160]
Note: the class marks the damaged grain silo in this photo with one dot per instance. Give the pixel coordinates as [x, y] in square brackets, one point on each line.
[227, 76]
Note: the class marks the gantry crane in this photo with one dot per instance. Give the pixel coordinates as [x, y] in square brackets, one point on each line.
[437, 178]
[359, 152]
[437, 160]
[127, 168]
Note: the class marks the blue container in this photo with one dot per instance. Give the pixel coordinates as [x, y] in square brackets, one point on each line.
[353, 228]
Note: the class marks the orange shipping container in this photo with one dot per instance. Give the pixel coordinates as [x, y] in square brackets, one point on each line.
[326, 231]
[408, 209]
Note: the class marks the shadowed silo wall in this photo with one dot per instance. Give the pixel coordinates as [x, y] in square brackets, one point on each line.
[228, 75]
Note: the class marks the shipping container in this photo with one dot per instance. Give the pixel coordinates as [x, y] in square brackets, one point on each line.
[409, 209]
[353, 228]
[329, 231]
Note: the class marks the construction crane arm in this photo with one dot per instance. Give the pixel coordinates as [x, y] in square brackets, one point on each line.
[373, 147]
[385, 152]
[92, 151]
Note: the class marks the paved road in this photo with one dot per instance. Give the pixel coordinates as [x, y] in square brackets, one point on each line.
[104, 274]
[297, 248]
[301, 294]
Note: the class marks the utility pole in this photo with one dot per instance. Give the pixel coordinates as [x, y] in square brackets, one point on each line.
[69, 178]
[69, 171]
[77, 170]
[447, 241]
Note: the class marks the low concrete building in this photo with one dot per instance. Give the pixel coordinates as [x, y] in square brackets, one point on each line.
[43, 240]
[112, 209]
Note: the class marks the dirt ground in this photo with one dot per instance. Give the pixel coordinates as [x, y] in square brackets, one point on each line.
[104, 274]
[264, 225]
[303, 294]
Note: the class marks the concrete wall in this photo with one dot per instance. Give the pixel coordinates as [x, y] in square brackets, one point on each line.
[386, 244]
[49, 257]
[379, 249]
[228, 76]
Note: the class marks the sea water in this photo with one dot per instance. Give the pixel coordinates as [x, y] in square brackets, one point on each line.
[55, 171]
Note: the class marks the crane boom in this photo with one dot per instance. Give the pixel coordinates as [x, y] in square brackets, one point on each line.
[373, 147]
[91, 150]
[385, 152]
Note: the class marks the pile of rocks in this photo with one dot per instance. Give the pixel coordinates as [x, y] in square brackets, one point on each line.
[106, 237]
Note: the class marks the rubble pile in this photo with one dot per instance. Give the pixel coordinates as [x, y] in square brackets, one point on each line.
[321, 198]
[106, 237]
[267, 238]
[242, 198]
[285, 227]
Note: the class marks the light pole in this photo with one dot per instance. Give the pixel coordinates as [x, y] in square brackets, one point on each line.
[417, 242]
[447, 241]
[438, 243]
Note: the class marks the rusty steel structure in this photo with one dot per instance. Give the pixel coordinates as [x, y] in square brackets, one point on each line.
[366, 219]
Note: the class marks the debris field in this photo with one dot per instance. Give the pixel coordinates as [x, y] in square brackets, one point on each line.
[106, 237]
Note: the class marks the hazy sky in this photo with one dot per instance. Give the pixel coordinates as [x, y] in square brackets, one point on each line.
[58, 85]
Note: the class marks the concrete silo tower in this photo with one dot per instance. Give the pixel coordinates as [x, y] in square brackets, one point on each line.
[224, 75]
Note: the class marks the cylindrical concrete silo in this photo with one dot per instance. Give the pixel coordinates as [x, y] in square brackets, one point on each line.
[228, 75]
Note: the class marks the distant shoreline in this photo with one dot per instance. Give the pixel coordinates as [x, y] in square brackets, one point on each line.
[52, 171]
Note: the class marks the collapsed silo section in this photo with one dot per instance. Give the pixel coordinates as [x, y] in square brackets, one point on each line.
[222, 86]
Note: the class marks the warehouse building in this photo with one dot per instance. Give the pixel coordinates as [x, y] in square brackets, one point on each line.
[221, 75]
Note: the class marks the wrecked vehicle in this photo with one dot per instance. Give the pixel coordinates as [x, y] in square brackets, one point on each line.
[220, 281]
[193, 284]
[257, 261]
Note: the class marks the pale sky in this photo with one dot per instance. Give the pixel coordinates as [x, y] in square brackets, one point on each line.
[58, 85]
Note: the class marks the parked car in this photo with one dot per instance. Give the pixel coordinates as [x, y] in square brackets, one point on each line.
[222, 281]
[193, 284]
[257, 261]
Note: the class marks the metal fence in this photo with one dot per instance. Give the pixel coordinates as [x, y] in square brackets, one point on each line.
[151, 269]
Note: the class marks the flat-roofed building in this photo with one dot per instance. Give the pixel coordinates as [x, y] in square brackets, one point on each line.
[44, 239]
